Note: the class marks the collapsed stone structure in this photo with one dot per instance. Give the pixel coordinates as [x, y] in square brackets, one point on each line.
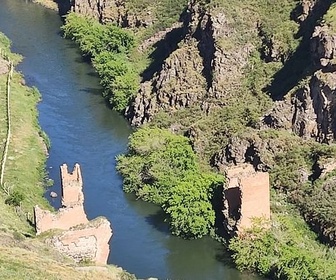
[246, 196]
[82, 239]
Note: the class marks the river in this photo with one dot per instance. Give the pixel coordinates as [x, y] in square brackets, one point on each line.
[82, 129]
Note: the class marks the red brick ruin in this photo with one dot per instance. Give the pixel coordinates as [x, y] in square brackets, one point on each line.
[246, 196]
[82, 239]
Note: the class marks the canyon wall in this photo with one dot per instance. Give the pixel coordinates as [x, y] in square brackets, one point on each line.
[199, 67]
[113, 11]
[309, 110]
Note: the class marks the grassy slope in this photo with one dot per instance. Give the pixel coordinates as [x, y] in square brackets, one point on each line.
[23, 256]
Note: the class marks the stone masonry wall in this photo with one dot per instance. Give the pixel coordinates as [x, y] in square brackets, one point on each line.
[246, 196]
[82, 239]
[72, 184]
[85, 242]
[65, 218]
[72, 212]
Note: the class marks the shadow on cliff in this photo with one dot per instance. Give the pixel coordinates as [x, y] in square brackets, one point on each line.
[299, 65]
[162, 50]
[64, 6]
[164, 47]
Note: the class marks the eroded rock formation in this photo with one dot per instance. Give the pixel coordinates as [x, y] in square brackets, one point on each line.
[96, 8]
[203, 68]
[323, 46]
[246, 196]
[304, 9]
[82, 239]
[309, 111]
[115, 11]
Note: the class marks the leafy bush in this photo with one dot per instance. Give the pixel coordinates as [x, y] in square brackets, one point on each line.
[15, 198]
[108, 47]
[287, 251]
[191, 213]
[162, 168]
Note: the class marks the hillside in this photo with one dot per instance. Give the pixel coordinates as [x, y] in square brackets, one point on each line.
[211, 84]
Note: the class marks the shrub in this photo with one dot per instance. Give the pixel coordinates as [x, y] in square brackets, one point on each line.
[15, 198]
[107, 46]
[162, 168]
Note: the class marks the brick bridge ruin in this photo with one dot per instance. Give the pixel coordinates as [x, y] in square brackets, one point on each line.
[80, 239]
[246, 196]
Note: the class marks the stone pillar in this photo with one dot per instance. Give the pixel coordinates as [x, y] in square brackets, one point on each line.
[246, 196]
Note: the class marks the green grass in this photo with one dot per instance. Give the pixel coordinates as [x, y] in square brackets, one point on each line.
[288, 250]
[24, 169]
[330, 18]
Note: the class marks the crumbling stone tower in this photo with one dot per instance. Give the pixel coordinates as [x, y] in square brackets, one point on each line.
[72, 185]
[246, 196]
[81, 239]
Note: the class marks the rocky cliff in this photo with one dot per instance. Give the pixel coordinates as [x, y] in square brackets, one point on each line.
[309, 109]
[201, 70]
[115, 11]
[245, 85]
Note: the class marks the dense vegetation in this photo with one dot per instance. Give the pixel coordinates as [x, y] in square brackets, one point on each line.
[162, 168]
[108, 46]
[288, 250]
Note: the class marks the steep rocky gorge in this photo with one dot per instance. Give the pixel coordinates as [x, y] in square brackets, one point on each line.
[201, 71]
[205, 72]
[251, 86]
[202, 68]
[309, 110]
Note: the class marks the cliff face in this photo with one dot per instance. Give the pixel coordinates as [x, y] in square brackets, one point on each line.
[228, 82]
[115, 11]
[91, 8]
[200, 71]
[309, 111]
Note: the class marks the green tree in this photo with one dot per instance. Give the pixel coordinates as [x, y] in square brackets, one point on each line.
[162, 168]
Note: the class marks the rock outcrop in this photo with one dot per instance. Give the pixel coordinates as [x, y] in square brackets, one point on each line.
[92, 8]
[309, 111]
[82, 239]
[170, 89]
[246, 197]
[323, 47]
[115, 11]
[201, 70]
[304, 9]
[252, 149]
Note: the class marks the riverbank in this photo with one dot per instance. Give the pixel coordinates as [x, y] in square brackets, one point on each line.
[47, 3]
[22, 255]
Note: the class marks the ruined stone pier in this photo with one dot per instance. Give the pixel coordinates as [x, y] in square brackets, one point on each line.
[246, 196]
[81, 239]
